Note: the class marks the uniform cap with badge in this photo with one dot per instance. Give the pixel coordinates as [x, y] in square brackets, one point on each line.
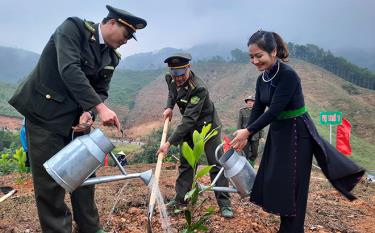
[250, 97]
[178, 63]
[130, 21]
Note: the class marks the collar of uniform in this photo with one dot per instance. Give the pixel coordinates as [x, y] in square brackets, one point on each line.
[101, 39]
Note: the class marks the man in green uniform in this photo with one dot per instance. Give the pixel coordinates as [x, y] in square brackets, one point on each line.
[251, 149]
[191, 95]
[68, 87]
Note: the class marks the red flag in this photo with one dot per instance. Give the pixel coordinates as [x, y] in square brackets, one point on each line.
[343, 137]
[226, 143]
[106, 160]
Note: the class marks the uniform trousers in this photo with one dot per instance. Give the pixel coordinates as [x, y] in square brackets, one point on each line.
[185, 178]
[54, 214]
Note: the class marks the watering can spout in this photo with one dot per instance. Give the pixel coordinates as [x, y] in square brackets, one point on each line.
[146, 176]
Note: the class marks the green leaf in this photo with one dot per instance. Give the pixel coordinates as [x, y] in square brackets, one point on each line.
[198, 151]
[189, 194]
[184, 231]
[177, 211]
[196, 137]
[194, 197]
[205, 130]
[213, 133]
[188, 216]
[203, 171]
[187, 152]
[202, 228]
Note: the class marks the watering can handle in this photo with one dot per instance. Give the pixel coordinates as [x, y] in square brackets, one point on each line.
[217, 150]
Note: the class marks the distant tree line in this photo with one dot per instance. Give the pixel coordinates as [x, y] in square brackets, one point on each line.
[325, 59]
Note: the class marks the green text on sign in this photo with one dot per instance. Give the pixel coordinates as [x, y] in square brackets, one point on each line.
[330, 118]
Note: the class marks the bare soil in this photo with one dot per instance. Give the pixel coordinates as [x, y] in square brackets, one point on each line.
[123, 206]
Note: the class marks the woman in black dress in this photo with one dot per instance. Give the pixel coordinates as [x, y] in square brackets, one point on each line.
[282, 182]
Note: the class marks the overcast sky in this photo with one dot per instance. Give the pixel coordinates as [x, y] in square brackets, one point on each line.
[331, 24]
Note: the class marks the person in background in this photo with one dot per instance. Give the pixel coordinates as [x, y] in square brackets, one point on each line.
[65, 92]
[191, 95]
[121, 157]
[251, 149]
[282, 182]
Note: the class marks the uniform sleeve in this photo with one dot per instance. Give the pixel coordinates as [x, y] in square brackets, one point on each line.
[239, 122]
[190, 116]
[67, 40]
[171, 100]
[283, 93]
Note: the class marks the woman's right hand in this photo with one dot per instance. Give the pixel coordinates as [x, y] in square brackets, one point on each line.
[240, 139]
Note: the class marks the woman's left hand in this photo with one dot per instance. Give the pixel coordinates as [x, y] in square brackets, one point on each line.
[240, 139]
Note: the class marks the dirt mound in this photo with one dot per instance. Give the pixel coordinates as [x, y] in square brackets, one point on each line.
[123, 207]
[10, 123]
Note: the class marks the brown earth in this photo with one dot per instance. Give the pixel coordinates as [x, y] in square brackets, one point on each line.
[123, 207]
[10, 123]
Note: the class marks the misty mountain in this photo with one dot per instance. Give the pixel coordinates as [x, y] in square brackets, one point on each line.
[16, 64]
[155, 60]
[361, 57]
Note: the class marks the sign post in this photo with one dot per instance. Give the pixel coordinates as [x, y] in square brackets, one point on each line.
[330, 118]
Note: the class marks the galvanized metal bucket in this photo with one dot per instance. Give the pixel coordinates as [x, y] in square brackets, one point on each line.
[237, 169]
[73, 164]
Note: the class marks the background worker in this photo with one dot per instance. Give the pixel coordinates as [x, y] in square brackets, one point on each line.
[251, 149]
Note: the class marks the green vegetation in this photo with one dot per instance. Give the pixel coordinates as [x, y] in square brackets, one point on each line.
[194, 221]
[148, 152]
[126, 84]
[9, 141]
[13, 162]
[6, 91]
[325, 59]
[337, 65]
[362, 151]
[127, 148]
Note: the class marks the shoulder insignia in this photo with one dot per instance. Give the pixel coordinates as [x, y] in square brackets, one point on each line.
[88, 26]
[194, 100]
[117, 54]
[192, 84]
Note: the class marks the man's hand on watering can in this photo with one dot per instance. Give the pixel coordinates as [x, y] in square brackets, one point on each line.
[108, 116]
[164, 148]
[85, 123]
[168, 113]
[86, 118]
[240, 139]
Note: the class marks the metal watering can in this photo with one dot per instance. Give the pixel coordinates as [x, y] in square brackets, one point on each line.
[237, 170]
[72, 165]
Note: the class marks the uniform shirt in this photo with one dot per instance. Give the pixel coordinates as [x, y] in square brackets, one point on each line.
[195, 105]
[72, 76]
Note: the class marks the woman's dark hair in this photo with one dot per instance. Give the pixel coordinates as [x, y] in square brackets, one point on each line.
[268, 41]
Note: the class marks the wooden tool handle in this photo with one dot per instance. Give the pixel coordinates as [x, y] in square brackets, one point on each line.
[3, 198]
[159, 162]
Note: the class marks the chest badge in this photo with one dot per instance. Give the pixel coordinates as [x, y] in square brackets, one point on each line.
[194, 100]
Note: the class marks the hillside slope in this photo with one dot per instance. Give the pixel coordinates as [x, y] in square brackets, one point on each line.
[230, 83]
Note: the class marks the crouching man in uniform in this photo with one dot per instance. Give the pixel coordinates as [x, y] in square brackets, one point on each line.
[191, 95]
[68, 87]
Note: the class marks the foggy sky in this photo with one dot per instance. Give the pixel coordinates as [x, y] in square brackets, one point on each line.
[330, 24]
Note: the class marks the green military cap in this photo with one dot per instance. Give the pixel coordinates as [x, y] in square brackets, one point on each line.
[178, 63]
[127, 19]
[250, 97]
